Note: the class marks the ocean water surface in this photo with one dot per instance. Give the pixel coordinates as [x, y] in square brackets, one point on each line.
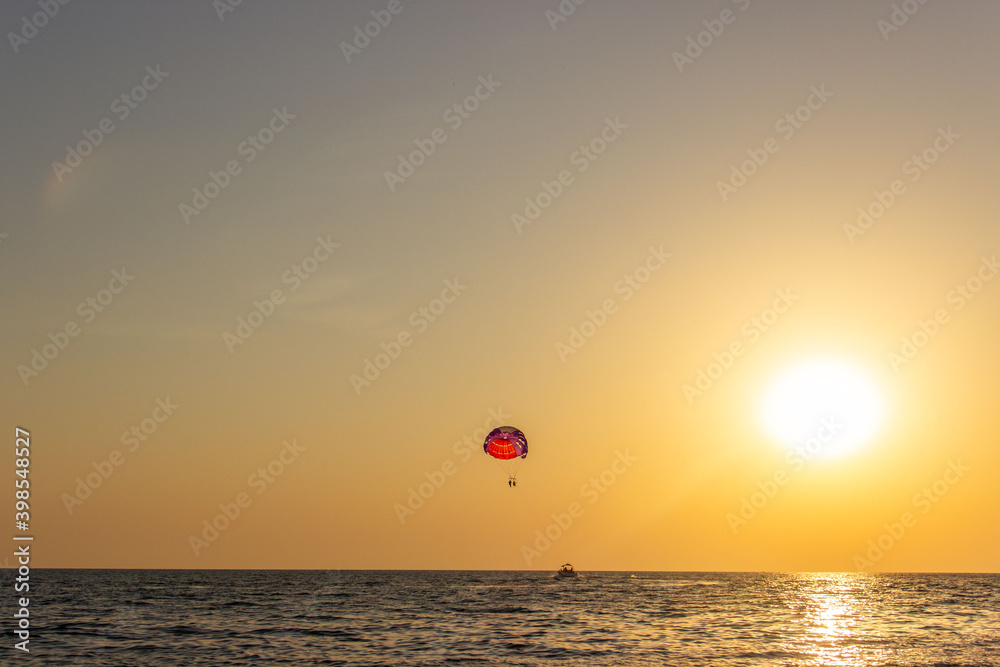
[225, 617]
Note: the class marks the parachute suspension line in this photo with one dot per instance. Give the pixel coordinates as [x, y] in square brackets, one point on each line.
[513, 465]
[528, 503]
[509, 467]
[503, 465]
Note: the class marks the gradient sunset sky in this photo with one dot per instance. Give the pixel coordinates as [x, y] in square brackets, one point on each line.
[641, 125]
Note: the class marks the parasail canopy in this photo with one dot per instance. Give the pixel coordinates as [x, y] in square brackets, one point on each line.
[508, 446]
[506, 442]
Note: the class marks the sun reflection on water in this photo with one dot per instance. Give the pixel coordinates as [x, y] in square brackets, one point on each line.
[831, 608]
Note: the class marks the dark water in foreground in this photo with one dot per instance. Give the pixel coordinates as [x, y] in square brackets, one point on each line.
[218, 618]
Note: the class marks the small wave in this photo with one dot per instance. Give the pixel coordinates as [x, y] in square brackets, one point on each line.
[343, 635]
[683, 584]
[770, 655]
[491, 610]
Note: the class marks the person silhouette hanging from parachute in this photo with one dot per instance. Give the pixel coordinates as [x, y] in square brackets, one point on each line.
[508, 446]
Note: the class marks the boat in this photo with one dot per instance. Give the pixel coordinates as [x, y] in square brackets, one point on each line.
[565, 572]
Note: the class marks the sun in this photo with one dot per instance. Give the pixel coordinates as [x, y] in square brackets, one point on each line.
[825, 407]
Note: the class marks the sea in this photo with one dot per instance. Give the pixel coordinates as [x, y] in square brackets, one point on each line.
[470, 618]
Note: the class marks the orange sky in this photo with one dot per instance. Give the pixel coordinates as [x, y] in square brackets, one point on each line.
[501, 217]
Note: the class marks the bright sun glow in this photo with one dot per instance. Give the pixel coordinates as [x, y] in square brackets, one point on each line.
[825, 408]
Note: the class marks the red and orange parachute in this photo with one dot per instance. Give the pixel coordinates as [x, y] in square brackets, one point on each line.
[508, 446]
